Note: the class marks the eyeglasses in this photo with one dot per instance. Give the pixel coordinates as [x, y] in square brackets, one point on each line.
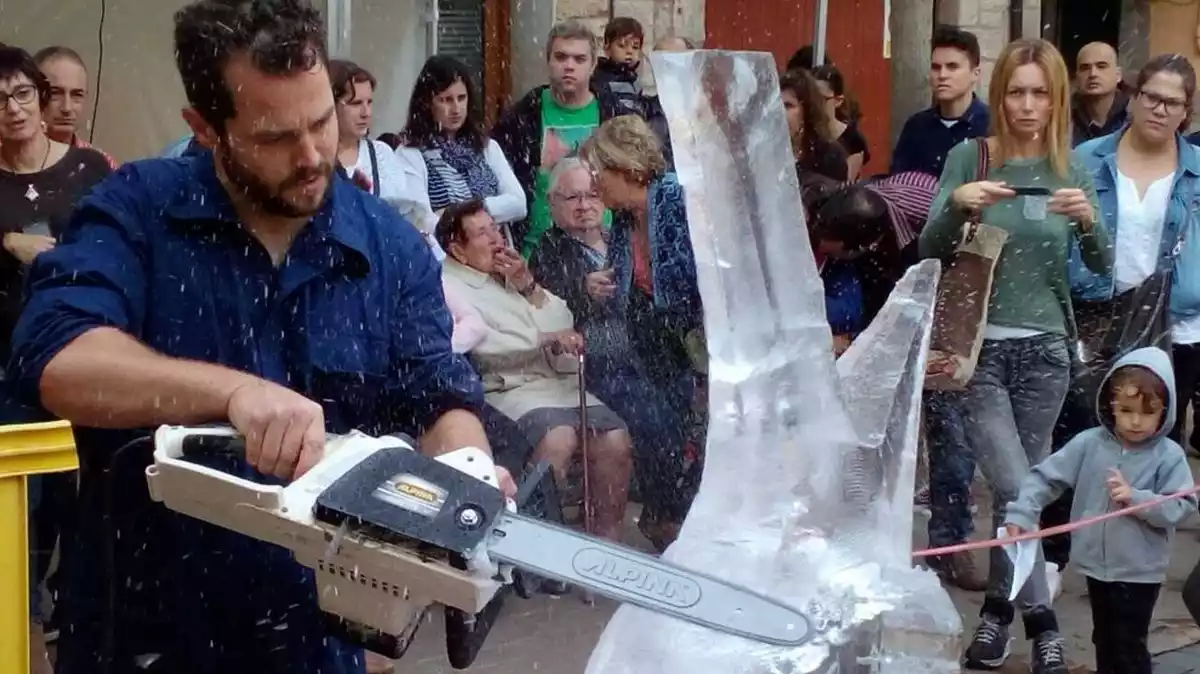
[579, 197]
[1151, 101]
[23, 95]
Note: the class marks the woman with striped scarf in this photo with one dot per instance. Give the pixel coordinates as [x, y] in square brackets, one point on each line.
[444, 141]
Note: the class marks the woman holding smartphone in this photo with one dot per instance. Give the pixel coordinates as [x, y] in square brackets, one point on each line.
[1047, 204]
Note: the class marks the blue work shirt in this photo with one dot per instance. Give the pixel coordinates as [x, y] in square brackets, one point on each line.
[927, 138]
[354, 318]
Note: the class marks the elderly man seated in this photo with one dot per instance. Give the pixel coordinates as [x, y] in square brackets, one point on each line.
[572, 263]
[528, 359]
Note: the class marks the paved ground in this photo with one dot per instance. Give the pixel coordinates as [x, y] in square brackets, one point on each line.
[556, 635]
[1182, 661]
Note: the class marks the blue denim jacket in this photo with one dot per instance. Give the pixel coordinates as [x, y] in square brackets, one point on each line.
[672, 261]
[1100, 157]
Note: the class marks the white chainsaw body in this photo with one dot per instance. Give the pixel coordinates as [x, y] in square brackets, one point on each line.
[384, 586]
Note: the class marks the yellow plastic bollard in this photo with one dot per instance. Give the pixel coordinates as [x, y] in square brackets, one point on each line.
[25, 449]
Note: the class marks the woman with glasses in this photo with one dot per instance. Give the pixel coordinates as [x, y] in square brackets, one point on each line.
[843, 118]
[1046, 203]
[40, 181]
[1147, 177]
[444, 142]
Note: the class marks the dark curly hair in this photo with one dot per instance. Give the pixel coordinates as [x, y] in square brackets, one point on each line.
[281, 37]
[16, 61]
[803, 86]
[437, 75]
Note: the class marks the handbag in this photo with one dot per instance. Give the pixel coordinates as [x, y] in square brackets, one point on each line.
[1107, 330]
[960, 311]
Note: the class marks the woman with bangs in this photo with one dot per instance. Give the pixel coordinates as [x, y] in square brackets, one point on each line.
[1031, 188]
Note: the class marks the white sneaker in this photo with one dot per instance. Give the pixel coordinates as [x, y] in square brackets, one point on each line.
[1054, 580]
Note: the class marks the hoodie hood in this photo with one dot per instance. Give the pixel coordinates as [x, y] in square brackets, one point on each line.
[1157, 361]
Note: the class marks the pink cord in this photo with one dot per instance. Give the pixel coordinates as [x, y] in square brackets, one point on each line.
[1054, 531]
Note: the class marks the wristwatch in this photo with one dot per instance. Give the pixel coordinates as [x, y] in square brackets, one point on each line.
[529, 289]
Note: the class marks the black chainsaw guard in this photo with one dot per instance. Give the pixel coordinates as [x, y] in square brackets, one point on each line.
[465, 633]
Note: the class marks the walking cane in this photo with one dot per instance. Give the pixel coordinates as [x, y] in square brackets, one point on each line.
[588, 524]
[583, 448]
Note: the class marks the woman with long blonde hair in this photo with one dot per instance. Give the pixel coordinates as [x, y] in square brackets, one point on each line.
[1021, 179]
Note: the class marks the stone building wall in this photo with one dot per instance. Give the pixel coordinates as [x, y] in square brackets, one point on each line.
[989, 20]
[660, 18]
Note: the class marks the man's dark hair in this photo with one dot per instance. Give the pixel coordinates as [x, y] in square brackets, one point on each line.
[450, 225]
[804, 57]
[280, 37]
[1175, 64]
[953, 37]
[343, 75]
[623, 27]
[58, 52]
[437, 75]
[16, 61]
[855, 215]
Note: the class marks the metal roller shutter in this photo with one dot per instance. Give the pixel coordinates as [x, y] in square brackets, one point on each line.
[460, 34]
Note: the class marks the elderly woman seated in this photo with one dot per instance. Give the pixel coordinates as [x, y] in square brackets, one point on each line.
[528, 360]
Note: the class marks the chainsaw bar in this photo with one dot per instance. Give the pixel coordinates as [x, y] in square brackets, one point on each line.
[632, 577]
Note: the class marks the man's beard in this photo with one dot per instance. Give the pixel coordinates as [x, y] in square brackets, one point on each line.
[270, 199]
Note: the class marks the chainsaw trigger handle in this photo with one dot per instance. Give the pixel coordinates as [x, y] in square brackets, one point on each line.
[204, 445]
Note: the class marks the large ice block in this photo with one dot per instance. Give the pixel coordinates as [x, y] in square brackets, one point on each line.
[808, 480]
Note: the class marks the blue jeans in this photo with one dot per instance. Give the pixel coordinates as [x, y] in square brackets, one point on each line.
[951, 469]
[1009, 411]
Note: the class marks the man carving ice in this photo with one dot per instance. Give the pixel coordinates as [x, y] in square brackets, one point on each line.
[248, 285]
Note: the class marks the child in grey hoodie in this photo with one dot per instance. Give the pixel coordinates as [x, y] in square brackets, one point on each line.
[1126, 460]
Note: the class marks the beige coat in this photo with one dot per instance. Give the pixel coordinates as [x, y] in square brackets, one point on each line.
[519, 376]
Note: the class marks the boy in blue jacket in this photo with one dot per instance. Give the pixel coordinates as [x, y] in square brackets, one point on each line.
[1126, 460]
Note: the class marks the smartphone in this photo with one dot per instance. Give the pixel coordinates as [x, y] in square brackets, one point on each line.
[1031, 191]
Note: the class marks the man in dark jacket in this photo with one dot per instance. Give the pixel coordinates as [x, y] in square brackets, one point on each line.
[1100, 105]
[551, 121]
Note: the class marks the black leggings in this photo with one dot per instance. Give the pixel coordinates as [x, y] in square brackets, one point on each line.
[1191, 593]
[1121, 614]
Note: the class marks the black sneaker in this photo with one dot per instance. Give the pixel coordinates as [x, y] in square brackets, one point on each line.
[989, 647]
[1048, 657]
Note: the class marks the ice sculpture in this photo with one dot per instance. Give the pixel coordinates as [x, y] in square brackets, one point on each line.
[808, 482]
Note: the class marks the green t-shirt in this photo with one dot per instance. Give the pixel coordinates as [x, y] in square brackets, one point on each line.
[1030, 288]
[563, 131]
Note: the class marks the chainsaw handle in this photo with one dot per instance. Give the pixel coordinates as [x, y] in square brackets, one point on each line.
[199, 446]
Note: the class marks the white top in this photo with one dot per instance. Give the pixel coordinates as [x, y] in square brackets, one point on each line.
[398, 186]
[508, 206]
[1139, 230]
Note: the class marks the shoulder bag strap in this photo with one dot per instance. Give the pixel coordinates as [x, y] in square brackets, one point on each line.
[374, 168]
[981, 171]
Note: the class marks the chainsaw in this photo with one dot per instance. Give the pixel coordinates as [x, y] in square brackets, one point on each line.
[390, 533]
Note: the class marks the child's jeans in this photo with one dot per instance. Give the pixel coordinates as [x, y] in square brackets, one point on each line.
[1121, 615]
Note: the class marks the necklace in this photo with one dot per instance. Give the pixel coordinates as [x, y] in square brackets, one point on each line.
[31, 193]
